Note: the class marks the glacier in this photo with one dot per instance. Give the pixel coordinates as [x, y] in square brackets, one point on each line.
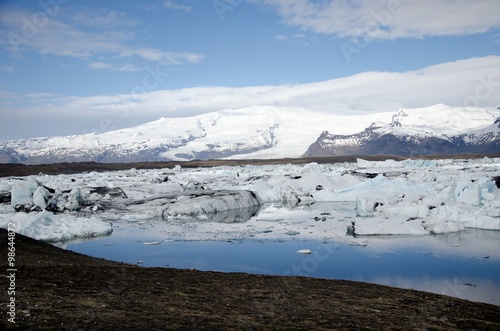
[264, 132]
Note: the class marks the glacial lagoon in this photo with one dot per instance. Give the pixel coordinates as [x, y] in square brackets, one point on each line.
[463, 264]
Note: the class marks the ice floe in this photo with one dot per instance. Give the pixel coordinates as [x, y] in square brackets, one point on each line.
[310, 201]
[216, 206]
[49, 227]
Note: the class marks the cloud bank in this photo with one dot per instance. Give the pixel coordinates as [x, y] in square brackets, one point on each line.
[388, 19]
[85, 35]
[465, 83]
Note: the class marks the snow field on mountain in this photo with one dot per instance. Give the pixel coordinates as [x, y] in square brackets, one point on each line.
[252, 132]
[312, 201]
[445, 120]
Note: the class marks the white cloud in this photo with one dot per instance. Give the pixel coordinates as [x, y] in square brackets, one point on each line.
[389, 19]
[468, 82]
[7, 68]
[296, 38]
[104, 19]
[109, 37]
[171, 5]
[158, 55]
[99, 65]
[38, 95]
[56, 37]
[128, 68]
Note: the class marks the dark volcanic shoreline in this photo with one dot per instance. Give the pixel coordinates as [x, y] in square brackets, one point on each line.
[62, 290]
[78, 167]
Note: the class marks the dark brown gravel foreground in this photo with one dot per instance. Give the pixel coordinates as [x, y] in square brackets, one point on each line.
[62, 290]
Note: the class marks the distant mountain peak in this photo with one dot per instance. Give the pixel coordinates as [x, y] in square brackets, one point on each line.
[396, 138]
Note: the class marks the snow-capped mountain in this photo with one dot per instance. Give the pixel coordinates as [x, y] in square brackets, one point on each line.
[431, 131]
[273, 132]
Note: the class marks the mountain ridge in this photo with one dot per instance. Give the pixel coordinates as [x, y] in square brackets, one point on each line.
[409, 139]
[272, 132]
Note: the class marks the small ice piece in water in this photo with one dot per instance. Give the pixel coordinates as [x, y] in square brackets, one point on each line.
[152, 243]
[304, 251]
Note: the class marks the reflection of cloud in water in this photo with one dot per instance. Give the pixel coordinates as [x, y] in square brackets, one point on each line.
[471, 243]
[472, 238]
[254, 269]
[419, 266]
[475, 289]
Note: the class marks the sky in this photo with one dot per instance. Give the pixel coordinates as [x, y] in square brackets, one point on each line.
[75, 67]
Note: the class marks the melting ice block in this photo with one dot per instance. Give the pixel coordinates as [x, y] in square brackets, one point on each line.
[206, 205]
[49, 227]
[22, 192]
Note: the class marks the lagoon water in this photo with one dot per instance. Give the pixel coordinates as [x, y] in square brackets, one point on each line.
[464, 264]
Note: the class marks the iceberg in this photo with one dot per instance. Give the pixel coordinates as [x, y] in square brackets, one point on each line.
[49, 227]
[218, 206]
[371, 226]
[22, 192]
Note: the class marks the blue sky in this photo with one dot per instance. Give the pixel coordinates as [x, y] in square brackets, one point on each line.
[68, 66]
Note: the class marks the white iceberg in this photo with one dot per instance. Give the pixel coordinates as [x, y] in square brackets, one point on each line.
[370, 226]
[49, 227]
[22, 192]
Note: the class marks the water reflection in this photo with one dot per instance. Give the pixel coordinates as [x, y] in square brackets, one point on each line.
[430, 263]
[471, 238]
[240, 215]
[463, 264]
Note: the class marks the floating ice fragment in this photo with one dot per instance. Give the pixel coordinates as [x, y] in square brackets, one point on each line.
[152, 243]
[22, 192]
[222, 203]
[304, 251]
[49, 227]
